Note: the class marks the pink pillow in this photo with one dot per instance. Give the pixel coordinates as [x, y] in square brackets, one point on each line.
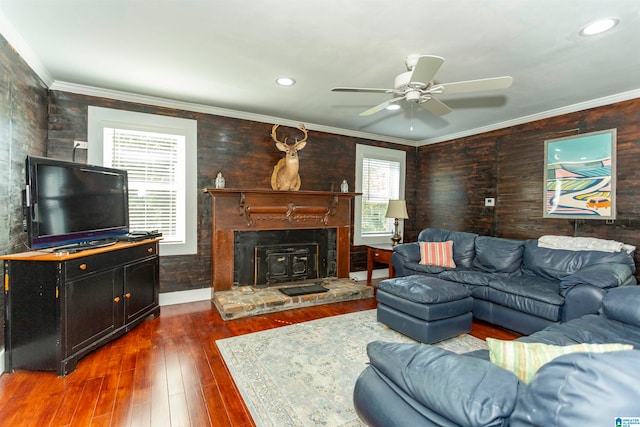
[437, 253]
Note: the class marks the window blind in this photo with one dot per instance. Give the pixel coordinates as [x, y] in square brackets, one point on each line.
[155, 168]
[380, 183]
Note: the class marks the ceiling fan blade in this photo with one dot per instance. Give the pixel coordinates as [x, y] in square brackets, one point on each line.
[361, 89]
[426, 68]
[435, 107]
[475, 85]
[381, 107]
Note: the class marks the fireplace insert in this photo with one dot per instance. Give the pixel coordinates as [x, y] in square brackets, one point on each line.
[285, 263]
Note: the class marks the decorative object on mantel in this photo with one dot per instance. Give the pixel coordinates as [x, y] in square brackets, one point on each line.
[344, 187]
[285, 173]
[219, 183]
[397, 209]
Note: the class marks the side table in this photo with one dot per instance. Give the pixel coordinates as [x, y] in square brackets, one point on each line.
[379, 253]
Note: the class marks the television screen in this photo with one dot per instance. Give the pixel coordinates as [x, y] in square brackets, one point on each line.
[67, 203]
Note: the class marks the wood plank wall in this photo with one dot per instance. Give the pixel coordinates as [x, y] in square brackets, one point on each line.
[454, 178]
[243, 151]
[23, 130]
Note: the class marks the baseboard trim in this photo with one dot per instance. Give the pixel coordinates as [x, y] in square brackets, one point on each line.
[375, 274]
[203, 294]
[181, 297]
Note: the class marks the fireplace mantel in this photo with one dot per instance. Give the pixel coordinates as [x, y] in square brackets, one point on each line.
[252, 210]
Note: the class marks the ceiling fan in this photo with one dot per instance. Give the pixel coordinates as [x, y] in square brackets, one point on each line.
[416, 85]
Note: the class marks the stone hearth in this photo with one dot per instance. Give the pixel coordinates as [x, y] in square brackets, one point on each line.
[244, 301]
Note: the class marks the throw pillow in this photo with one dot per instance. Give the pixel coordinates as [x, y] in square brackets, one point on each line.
[437, 253]
[524, 359]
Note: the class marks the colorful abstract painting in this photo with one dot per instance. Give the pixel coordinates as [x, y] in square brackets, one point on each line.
[580, 176]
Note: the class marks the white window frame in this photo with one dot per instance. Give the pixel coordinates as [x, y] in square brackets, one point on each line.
[100, 118]
[370, 152]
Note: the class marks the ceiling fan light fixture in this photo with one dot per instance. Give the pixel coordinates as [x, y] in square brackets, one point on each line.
[598, 27]
[393, 107]
[413, 95]
[285, 81]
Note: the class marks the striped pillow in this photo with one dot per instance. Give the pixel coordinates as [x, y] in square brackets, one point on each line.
[524, 359]
[437, 253]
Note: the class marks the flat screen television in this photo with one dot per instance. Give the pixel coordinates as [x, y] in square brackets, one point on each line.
[69, 203]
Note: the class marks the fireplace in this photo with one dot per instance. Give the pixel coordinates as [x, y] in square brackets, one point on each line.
[284, 221]
[270, 257]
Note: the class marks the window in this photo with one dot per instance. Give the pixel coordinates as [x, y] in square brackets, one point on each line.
[380, 177]
[158, 153]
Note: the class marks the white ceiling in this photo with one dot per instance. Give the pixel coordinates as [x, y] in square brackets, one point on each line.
[223, 56]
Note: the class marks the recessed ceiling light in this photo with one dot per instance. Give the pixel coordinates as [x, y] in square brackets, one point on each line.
[393, 107]
[599, 26]
[285, 81]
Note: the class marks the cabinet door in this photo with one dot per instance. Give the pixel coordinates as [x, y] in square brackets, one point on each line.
[140, 288]
[90, 309]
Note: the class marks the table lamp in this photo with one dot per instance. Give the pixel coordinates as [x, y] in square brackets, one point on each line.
[397, 209]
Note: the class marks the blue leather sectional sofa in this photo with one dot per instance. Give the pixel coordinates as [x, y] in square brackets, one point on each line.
[518, 285]
[422, 385]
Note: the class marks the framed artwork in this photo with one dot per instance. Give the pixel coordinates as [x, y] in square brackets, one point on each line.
[580, 176]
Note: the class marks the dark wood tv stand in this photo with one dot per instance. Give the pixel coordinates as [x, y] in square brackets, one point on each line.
[59, 307]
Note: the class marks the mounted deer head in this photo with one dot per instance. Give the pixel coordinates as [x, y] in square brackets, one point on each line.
[285, 174]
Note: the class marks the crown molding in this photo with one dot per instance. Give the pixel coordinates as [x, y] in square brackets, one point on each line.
[207, 109]
[598, 102]
[22, 48]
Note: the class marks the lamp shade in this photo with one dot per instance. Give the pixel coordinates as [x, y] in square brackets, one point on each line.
[397, 209]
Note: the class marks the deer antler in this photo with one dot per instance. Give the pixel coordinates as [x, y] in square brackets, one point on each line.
[304, 130]
[274, 136]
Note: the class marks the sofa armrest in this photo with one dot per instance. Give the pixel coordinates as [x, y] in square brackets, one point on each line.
[466, 390]
[603, 276]
[581, 300]
[403, 254]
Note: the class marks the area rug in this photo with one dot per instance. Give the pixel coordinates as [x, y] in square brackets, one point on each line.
[303, 375]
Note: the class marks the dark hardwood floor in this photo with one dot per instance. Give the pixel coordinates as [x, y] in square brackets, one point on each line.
[165, 372]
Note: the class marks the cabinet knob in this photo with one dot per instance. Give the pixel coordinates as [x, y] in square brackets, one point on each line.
[150, 250]
[82, 267]
[127, 295]
[116, 299]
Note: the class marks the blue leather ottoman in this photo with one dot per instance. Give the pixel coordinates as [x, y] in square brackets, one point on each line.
[426, 309]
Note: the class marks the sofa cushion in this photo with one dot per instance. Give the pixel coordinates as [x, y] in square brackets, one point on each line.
[530, 287]
[526, 294]
[623, 304]
[471, 277]
[411, 268]
[582, 389]
[591, 328]
[408, 251]
[466, 390]
[524, 359]
[497, 255]
[464, 248]
[603, 276]
[437, 253]
[556, 264]
[433, 235]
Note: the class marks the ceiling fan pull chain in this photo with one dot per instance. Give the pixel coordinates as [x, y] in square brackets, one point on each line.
[411, 119]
